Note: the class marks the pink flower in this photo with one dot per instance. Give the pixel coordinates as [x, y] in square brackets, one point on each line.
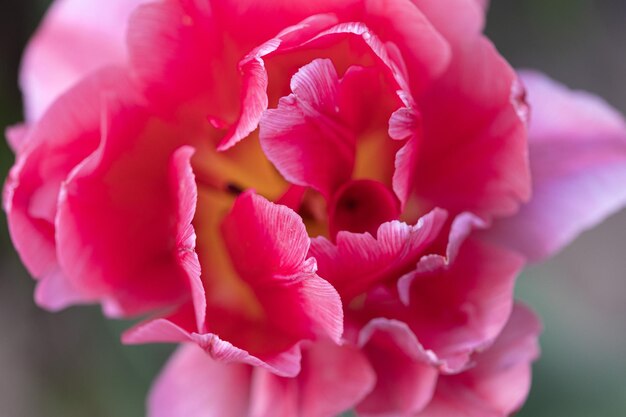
[327, 202]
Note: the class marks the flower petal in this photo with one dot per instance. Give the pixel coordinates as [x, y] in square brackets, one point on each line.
[333, 379]
[194, 385]
[358, 261]
[499, 382]
[473, 155]
[459, 304]
[577, 150]
[114, 242]
[304, 137]
[268, 246]
[75, 38]
[406, 377]
[62, 138]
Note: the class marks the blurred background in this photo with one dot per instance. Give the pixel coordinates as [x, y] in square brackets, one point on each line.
[71, 364]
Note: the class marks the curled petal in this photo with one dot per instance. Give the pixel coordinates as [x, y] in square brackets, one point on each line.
[473, 156]
[405, 371]
[304, 137]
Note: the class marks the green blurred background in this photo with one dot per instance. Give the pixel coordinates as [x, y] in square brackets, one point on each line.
[71, 364]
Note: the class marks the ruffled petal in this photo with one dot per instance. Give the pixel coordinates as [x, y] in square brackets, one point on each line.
[358, 261]
[500, 380]
[577, 146]
[405, 371]
[459, 303]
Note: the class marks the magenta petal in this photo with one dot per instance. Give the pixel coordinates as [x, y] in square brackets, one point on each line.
[194, 385]
[304, 137]
[359, 261]
[268, 244]
[577, 150]
[502, 374]
[254, 89]
[405, 371]
[117, 217]
[75, 38]
[478, 162]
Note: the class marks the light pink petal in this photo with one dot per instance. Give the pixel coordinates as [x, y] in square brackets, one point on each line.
[117, 219]
[483, 3]
[359, 261]
[454, 19]
[75, 38]
[459, 303]
[268, 246]
[333, 379]
[500, 380]
[577, 150]
[192, 384]
[406, 377]
[16, 137]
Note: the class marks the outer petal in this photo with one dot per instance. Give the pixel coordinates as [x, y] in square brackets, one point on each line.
[578, 161]
[359, 261]
[75, 38]
[194, 385]
[268, 246]
[473, 156]
[117, 219]
[49, 150]
[499, 382]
